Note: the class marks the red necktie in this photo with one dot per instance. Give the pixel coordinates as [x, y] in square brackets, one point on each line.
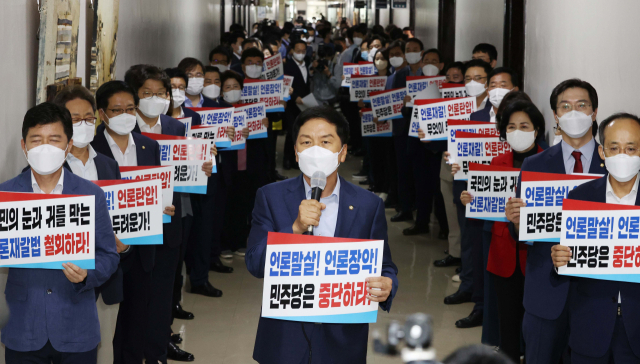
[577, 167]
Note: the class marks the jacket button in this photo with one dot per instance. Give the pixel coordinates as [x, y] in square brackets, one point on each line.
[49, 291]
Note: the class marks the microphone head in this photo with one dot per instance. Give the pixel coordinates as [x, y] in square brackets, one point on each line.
[319, 180]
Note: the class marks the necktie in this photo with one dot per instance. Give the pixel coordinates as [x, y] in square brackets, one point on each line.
[577, 167]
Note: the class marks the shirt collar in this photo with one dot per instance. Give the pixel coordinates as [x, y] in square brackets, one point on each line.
[92, 154]
[336, 190]
[586, 150]
[492, 114]
[112, 143]
[59, 185]
[634, 189]
[141, 122]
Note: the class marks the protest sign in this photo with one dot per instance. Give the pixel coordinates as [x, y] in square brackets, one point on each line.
[272, 68]
[371, 129]
[387, 105]
[452, 90]
[320, 279]
[603, 239]
[478, 127]
[238, 141]
[541, 219]
[423, 87]
[287, 81]
[162, 173]
[43, 230]
[474, 148]
[431, 115]
[267, 91]
[221, 118]
[186, 155]
[253, 119]
[366, 68]
[491, 188]
[361, 68]
[362, 86]
[187, 124]
[135, 208]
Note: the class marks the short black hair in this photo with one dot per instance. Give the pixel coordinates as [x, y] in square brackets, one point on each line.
[177, 73]
[293, 43]
[474, 354]
[231, 74]
[397, 43]
[250, 40]
[47, 113]
[396, 34]
[459, 65]
[74, 92]
[220, 50]
[478, 63]
[510, 97]
[350, 32]
[528, 108]
[433, 50]
[415, 40]
[251, 52]
[327, 113]
[108, 89]
[610, 119]
[499, 70]
[137, 75]
[487, 48]
[408, 29]
[236, 27]
[573, 83]
[189, 63]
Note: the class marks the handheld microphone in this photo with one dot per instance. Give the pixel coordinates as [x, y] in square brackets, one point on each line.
[318, 183]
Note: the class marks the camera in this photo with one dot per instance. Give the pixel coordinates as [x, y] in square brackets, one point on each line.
[324, 51]
[417, 334]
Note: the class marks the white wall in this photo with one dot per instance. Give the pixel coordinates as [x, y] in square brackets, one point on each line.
[479, 22]
[595, 42]
[427, 22]
[401, 17]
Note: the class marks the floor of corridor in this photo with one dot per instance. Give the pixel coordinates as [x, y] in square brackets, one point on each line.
[224, 328]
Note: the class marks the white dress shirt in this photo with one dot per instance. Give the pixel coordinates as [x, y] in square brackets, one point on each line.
[129, 158]
[87, 171]
[329, 217]
[303, 69]
[629, 199]
[57, 190]
[483, 103]
[492, 115]
[145, 128]
[585, 157]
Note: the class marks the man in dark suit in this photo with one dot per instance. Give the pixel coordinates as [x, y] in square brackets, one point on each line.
[604, 320]
[298, 68]
[236, 49]
[545, 326]
[40, 329]
[117, 103]
[345, 211]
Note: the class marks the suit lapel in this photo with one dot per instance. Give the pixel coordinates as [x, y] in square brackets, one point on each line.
[24, 180]
[555, 160]
[597, 164]
[70, 184]
[347, 209]
[294, 197]
[600, 189]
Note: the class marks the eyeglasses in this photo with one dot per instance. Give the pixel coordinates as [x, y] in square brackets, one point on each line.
[148, 94]
[615, 150]
[192, 75]
[116, 112]
[580, 106]
[87, 121]
[476, 78]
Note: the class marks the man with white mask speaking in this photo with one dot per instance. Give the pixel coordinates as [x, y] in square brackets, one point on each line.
[604, 320]
[345, 211]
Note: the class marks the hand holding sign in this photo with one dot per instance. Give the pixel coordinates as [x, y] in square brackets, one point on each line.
[512, 210]
[466, 198]
[378, 288]
[74, 273]
[170, 210]
[309, 214]
[207, 168]
[561, 255]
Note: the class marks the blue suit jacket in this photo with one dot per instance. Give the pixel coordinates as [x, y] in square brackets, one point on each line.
[195, 117]
[545, 292]
[482, 114]
[594, 303]
[147, 154]
[68, 316]
[276, 208]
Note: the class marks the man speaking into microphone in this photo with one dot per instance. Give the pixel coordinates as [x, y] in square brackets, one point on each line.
[343, 210]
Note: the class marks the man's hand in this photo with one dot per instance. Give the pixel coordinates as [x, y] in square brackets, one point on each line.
[309, 214]
[283, 103]
[343, 77]
[245, 133]
[361, 103]
[207, 168]
[446, 156]
[422, 135]
[466, 198]
[326, 71]
[561, 255]
[265, 122]
[407, 98]
[231, 132]
[214, 150]
[170, 210]
[290, 90]
[120, 247]
[379, 288]
[512, 210]
[455, 167]
[299, 101]
[74, 273]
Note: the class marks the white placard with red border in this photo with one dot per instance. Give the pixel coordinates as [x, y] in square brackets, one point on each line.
[470, 126]
[491, 188]
[254, 115]
[320, 279]
[431, 116]
[287, 81]
[361, 68]
[135, 208]
[387, 105]
[272, 68]
[363, 86]
[423, 87]
[162, 173]
[186, 155]
[43, 231]
[267, 91]
[453, 90]
[187, 124]
[238, 141]
[221, 118]
[371, 129]
[474, 148]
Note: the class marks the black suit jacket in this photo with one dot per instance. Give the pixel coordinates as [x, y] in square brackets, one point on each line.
[147, 154]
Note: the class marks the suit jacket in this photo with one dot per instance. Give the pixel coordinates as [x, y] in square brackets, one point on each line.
[594, 303]
[482, 114]
[67, 317]
[195, 117]
[147, 154]
[236, 65]
[276, 209]
[545, 293]
[300, 88]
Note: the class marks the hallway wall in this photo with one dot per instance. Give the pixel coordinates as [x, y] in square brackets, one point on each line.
[479, 22]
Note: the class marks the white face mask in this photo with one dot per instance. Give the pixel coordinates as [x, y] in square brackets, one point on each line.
[521, 140]
[357, 41]
[82, 135]
[381, 64]
[575, 123]
[195, 85]
[239, 49]
[221, 67]
[396, 61]
[557, 139]
[253, 71]
[232, 96]
[310, 39]
[475, 88]
[45, 159]
[152, 107]
[372, 54]
[430, 70]
[178, 97]
[122, 124]
[299, 56]
[211, 91]
[316, 159]
[413, 58]
[622, 167]
[496, 95]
